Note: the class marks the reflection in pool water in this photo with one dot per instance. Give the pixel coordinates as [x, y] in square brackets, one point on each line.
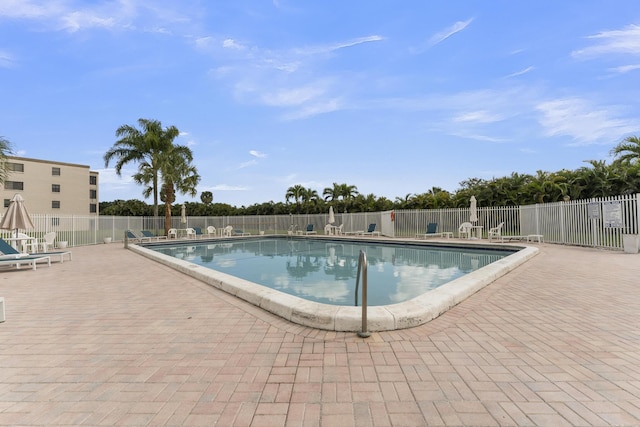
[325, 271]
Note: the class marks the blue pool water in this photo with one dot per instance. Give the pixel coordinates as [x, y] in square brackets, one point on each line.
[325, 271]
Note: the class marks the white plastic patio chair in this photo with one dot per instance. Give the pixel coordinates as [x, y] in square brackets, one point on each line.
[211, 231]
[496, 232]
[47, 241]
[464, 231]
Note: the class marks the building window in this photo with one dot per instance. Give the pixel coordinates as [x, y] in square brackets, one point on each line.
[13, 185]
[93, 180]
[6, 202]
[93, 208]
[15, 167]
[55, 204]
[55, 188]
[93, 194]
[55, 171]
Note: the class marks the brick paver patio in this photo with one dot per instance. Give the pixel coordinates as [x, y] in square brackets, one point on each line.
[111, 338]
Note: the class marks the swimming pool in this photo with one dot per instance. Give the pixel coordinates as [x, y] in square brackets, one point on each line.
[324, 271]
[404, 313]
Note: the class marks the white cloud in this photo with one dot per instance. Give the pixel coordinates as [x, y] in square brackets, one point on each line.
[623, 69]
[625, 41]
[226, 187]
[519, 73]
[315, 109]
[584, 123]
[6, 60]
[232, 44]
[258, 154]
[247, 164]
[448, 32]
[313, 50]
[477, 117]
[119, 14]
[294, 96]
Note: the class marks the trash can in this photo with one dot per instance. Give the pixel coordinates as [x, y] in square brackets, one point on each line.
[630, 243]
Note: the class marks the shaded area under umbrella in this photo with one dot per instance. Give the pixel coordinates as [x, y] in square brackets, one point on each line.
[16, 218]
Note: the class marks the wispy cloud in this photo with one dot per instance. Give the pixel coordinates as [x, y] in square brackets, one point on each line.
[313, 50]
[584, 123]
[226, 187]
[247, 164]
[478, 117]
[625, 41]
[257, 154]
[6, 60]
[294, 96]
[448, 32]
[112, 15]
[623, 69]
[519, 73]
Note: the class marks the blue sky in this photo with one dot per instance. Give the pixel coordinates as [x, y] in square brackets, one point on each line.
[392, 97]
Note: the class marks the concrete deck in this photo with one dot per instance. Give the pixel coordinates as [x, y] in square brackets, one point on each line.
[112, 338]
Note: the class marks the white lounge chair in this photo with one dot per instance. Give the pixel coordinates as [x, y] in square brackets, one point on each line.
[172, 233]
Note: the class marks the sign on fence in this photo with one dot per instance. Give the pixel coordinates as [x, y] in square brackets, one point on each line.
[612, 212]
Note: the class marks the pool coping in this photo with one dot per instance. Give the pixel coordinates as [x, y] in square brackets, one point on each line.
[414, 312]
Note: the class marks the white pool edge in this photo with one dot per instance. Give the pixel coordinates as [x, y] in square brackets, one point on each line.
[414, 312]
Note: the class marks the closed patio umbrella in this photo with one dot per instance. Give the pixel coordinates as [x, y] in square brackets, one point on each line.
[473, 210]
[332, 217]
[183, 215]
[16, 218]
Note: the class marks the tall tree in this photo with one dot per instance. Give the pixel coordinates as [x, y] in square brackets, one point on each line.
[5, 151]
[295, 192]
[309, 197]
[627, 151]
[178, 175]
[206, 197]
[143, 146]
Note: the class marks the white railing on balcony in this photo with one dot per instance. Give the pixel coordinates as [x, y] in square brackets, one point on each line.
[595, 222]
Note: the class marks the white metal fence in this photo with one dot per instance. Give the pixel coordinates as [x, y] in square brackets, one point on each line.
[594, 222]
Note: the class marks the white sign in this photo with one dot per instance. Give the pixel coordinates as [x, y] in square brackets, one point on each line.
[612, 213]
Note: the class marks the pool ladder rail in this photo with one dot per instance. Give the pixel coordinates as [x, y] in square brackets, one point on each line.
[362, 266]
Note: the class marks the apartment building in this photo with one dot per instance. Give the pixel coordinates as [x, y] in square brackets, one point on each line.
[50, 187]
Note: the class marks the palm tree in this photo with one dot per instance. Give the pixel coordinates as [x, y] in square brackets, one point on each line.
[5, 151]
[332, 193]
[627, 151]
[178, 175]
[295, 192]
[144, 146]
[343, 192]
[309, 197]
[206, 197]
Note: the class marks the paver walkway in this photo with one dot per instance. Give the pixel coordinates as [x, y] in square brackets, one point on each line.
[111, 338]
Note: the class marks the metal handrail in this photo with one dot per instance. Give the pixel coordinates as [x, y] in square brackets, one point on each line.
[362, 266]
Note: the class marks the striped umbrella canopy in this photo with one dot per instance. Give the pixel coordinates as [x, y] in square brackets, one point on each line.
[16, 218]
